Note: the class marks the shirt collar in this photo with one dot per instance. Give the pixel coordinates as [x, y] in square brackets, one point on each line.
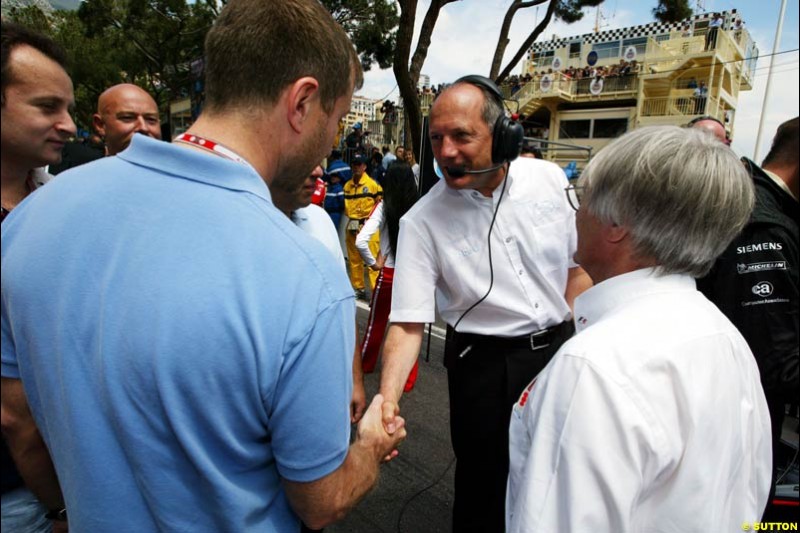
[779, 182]
[39, 177]
[194, 165]
[603, 298]
[479, 197]
[300, 215]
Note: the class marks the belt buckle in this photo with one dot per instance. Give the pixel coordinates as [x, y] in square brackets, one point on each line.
[534, 336]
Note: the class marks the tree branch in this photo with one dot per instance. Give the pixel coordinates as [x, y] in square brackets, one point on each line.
[139, 46]
[402, 50]
[424, 41]
[528, 42]
[407, 75]
[502, 40]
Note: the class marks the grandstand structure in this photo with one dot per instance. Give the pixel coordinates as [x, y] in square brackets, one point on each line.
[665, 63]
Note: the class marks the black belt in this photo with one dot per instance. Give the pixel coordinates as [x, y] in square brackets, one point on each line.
[533, 341]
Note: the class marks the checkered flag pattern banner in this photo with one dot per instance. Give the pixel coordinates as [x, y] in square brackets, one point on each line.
[643, 30]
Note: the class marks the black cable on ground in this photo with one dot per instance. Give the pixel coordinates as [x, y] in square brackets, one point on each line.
[419, 492]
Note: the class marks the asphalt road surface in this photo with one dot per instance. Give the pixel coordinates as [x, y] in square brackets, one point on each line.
[415, 491]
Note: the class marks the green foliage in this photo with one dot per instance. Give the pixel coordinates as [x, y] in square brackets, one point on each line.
[672, 10]
[371, 25]
[147, 42]
[570, 10]
[31, 17]
[154, 41]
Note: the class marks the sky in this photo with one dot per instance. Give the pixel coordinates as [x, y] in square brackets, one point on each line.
[465, 38]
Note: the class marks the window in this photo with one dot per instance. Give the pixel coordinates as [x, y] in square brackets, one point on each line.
[609, 128]
[575, 49]
[544, 59]
[574, 129]
[640, 43]
[606, 50]
[597, 128]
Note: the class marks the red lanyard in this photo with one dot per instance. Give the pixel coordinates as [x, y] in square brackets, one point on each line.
[211, 146]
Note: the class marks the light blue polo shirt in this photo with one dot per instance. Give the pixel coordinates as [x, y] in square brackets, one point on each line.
[182, 344]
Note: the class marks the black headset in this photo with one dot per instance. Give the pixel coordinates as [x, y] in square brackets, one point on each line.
[507, 134]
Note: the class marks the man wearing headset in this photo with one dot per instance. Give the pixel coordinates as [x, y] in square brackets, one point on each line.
[492, 245]
[711, 126]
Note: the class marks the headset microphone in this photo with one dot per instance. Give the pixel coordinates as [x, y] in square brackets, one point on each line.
[460, 171]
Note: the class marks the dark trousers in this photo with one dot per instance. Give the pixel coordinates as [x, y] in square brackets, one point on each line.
[776, 403]
[484, 384]
[711, 38]
[699, 105]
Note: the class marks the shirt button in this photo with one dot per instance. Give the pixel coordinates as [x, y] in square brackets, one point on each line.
[509, 239]
[520, 272]
[536, 306]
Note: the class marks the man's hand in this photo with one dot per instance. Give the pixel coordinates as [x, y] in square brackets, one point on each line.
[372, 433]
[26, 446]
[379, 262]
[324, 501]
[359, 401]
[389, 412]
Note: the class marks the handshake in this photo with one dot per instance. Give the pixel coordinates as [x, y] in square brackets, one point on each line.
[381, 429]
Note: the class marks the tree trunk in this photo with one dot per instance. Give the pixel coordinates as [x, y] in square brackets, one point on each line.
[402, 52]
[503, 40]
[407, 75]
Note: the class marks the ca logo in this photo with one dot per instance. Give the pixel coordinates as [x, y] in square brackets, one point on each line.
[762, 289]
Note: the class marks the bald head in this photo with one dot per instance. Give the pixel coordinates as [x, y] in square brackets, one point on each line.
[122, 111]
[714, 127]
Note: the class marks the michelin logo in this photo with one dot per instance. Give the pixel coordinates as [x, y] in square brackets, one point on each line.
[748, 268]
[759, 247]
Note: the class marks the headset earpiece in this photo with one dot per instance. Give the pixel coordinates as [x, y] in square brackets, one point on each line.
[506, 140]
[507, 134]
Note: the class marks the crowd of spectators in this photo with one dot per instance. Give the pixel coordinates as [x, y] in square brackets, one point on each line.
[428, 89]
[623, 69]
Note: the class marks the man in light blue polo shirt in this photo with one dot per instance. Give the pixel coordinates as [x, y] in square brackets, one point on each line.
[184, 349]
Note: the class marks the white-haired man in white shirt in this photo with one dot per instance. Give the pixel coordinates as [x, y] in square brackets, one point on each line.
[652, 417]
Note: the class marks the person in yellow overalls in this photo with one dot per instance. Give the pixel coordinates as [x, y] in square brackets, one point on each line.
[361, 194]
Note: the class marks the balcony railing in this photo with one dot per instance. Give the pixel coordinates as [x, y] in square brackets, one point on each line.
[670, 106]
[425, 102]
[730, 45]
[570, 88]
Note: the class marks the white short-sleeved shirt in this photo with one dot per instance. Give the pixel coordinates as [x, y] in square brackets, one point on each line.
[651, 418]
[375, 222]
[443, 256]
[317, 222]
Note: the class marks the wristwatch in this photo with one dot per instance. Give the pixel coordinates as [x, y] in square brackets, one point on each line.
[57, 514]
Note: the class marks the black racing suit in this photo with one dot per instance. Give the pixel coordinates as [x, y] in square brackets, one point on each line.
[755, 283]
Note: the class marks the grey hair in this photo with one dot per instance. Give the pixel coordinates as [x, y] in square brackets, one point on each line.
[681, 193]
[491, 110]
